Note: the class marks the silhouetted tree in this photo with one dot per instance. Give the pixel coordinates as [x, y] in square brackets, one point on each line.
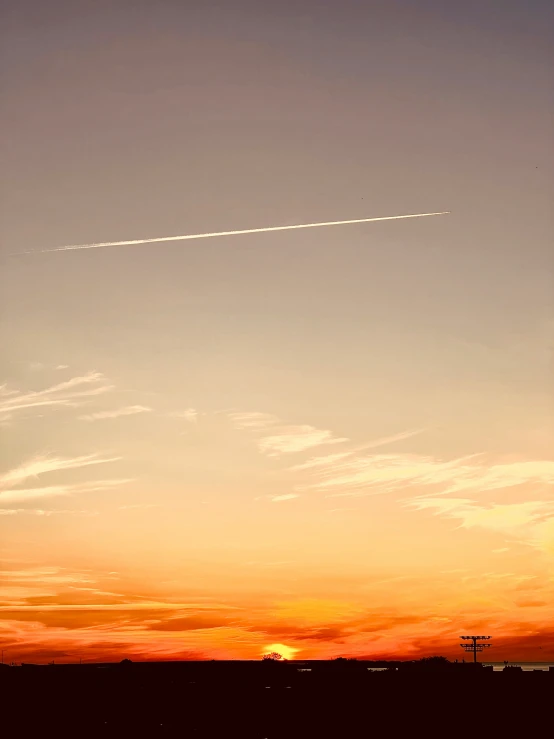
[272, 657]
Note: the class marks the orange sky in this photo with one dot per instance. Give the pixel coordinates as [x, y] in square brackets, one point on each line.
[246, 542]
[325, 442]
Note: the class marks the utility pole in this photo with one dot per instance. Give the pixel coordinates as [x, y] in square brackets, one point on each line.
[475, 644]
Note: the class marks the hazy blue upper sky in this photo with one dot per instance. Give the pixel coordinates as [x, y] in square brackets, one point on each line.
[139, 119]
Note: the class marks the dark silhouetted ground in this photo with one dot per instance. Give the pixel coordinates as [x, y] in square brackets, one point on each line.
[273, 700]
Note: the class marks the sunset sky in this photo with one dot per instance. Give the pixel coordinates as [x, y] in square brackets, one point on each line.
[325, 442]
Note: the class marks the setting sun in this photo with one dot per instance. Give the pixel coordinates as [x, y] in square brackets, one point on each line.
[282, 649]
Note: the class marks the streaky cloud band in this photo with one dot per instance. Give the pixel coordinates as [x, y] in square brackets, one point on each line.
[189, 237]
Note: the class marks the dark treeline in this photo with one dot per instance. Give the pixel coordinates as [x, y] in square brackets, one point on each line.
[272, 699]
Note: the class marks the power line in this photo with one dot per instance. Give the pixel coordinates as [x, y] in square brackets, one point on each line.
[475, 644]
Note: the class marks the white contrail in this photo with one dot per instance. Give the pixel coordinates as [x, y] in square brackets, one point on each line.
[188, 237]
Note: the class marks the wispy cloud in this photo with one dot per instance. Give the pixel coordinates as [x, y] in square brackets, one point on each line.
[543, 536]
[42, 512]
[10, 492]
[57, 575]
[44, 464]
[507, 518]
[149, 605]
[357, 473]
[35, 366]
[291, 439]
[280, 563]
[129, 410]
[21, 495]
[138, 506]
[190, 415]
[362, 474]
[329, 460]
[276, 438]
[384, 440]
[253, 420]
[286, 496]
[503, 475]
[70, 393]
